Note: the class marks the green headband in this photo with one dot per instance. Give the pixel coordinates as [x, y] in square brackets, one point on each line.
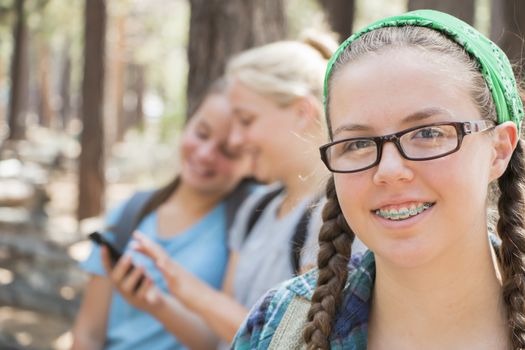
[495, 66]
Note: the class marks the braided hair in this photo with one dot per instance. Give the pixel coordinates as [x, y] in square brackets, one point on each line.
[510, 226]
[336, 237]
[335, 247]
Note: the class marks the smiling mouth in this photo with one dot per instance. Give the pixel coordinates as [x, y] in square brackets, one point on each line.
[202, 171]
[403, 213]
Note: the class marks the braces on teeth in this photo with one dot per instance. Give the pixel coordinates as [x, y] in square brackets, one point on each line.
[403, 213]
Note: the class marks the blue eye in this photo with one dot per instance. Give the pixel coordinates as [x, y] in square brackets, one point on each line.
[428, 133]
[357, 146]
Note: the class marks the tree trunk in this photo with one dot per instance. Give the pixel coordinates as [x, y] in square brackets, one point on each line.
[463, 9]
[139, 89]
[3, 86]
[340, 15]
[19, 76]
[115, 79]
[91, 167]
[65, 84]
[219, 29]
[44, 101]
[508, 30]
[135, 90]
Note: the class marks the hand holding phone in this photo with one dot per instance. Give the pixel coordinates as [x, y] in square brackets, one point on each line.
[114, 253]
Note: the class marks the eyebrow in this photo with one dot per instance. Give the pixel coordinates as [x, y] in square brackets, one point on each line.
[411, 118]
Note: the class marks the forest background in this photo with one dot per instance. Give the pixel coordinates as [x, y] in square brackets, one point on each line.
[93, 96]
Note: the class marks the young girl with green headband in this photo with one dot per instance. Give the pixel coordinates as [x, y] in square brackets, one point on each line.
[424, 115]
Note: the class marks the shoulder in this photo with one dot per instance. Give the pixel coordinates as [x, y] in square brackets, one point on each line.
[268, 314]
[247, 208]
[282, 312]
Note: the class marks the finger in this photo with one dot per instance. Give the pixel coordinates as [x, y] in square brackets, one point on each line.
[147, 247]
[132, 280]
[122, 268]
[106, 261]
[168, 268]
[153, 296]
[143, 287]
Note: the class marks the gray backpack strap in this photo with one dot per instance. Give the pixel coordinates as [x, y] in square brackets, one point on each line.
[234, 200]
[127, 221]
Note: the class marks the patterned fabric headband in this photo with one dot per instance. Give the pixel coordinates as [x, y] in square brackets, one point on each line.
[494, 64]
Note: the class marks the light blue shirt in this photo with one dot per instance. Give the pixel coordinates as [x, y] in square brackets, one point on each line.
[201, 250]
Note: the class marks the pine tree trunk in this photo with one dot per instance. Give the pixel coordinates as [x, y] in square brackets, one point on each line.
[219, 29]
[19, 76]
[65, 85]
[463, 9]
[340, 15]
[91, 167]
[44, 105]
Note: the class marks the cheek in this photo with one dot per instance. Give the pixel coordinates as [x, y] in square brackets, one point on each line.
[350, 190]
[188, 145]
[225, 167]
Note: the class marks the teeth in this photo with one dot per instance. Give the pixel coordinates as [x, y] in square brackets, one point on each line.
[404, 212]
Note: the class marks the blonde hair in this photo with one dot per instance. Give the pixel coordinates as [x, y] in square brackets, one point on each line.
[284, 70]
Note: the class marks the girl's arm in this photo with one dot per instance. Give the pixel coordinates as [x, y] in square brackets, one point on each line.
[221, 312]
[176, 318]
[89, 329]
[226, 315]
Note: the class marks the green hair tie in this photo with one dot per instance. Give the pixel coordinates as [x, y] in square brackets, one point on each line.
[495, 65]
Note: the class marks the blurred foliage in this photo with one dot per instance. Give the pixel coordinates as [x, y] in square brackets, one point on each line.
[302, 14]
[369, 11]
[482, 16]
[156, 35]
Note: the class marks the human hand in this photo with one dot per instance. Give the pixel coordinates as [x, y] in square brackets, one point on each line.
[181, 283]
[133, 283]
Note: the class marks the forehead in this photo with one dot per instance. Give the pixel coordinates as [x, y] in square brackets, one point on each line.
[244, 98]
[215, 113]
[380, 90]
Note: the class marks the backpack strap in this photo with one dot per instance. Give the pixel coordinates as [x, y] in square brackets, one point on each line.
[234, 200]
[259, 208]
[299, 237]
[301, 229]
[127, 221]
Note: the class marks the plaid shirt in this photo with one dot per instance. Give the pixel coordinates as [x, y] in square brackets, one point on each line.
[351, 324]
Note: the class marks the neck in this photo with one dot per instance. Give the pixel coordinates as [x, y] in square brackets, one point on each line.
[183, 208]
[441, 305]
[189, 200]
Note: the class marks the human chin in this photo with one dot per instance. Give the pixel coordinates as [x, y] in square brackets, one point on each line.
[206, 186]
[410, 252]
[407, 247]
[194, 172]
[260, 168]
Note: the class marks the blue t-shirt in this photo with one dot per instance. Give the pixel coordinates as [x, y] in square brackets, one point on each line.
[201, 250]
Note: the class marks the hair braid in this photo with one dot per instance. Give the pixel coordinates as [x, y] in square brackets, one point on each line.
[511, 207]
[335, 246]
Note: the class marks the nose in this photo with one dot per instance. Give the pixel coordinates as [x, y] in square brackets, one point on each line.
[236, 138]
[207, 152]
[392, 167]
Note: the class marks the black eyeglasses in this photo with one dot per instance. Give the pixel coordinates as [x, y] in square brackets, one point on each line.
[419, 143]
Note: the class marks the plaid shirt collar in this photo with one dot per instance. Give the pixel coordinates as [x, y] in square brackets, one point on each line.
[351, 325]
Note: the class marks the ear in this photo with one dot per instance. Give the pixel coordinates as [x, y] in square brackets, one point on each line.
[504, 142]
[305, 111]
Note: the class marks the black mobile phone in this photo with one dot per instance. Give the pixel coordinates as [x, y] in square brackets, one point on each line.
[114, 253]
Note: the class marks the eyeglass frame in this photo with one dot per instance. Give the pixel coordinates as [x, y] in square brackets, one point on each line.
[462, 129]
